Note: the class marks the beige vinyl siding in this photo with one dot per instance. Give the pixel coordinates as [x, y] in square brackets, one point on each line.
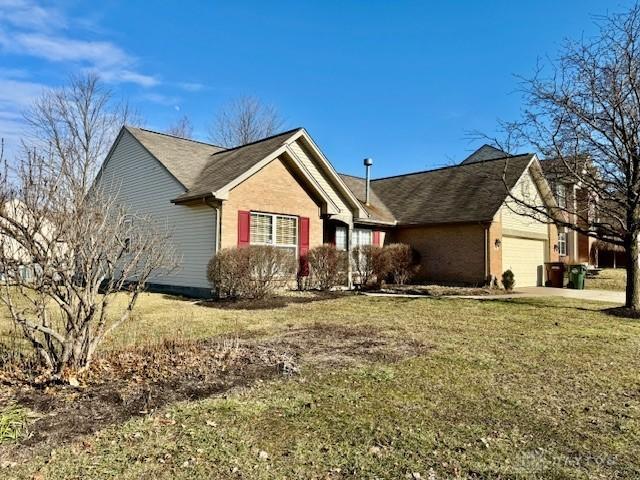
[321, 178]
[514, 218]
[145, 186]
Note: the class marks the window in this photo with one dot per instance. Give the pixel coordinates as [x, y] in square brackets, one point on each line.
[341, 238]
[561, 195]
[562, 244]
[277, 230]
[361, 237]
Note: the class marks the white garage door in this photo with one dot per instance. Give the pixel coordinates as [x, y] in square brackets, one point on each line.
[525, 258]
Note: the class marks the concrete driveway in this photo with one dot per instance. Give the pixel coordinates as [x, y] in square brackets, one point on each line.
[595, 295]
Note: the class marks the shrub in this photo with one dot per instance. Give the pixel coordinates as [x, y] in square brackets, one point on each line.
[508, 280]
[369, 264]
[400, 262]
[250, 272]
[228, 271]
[326, 264]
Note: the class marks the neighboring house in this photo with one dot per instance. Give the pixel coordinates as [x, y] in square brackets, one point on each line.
[575, 247]
[283, 191]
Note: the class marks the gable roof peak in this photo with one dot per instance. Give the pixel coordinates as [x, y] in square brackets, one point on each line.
[484, 153]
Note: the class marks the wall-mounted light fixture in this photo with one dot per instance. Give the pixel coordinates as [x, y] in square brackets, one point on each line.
[556, 249]
[498, 243]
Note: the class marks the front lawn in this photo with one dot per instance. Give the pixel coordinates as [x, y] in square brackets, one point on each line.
[608, 279]
[387, 388]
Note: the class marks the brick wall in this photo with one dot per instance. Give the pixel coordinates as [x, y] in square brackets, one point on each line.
[448, 253]
[274, 189]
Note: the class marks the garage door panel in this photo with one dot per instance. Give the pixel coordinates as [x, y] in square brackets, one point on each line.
[525, 258]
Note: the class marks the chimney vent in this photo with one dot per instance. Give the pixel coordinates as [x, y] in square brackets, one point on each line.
[367, 164]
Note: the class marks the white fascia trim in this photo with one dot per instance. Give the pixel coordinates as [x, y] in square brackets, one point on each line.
[362, 213]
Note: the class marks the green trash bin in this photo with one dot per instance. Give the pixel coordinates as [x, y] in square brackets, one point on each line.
[577, 274]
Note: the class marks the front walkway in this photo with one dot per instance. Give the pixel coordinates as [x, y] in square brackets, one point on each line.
[596, 295]
[528, 292]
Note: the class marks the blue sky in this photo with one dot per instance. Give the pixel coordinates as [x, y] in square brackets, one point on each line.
[400, 81]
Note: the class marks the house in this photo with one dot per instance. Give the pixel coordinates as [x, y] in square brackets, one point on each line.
[283, 191]
[581, 209]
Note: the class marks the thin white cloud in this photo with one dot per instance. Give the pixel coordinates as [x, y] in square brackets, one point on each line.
[27, 14]
[28, 29]
[191, 86]
[166, 100]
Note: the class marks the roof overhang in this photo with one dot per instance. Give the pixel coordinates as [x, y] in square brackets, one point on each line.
[329, 207]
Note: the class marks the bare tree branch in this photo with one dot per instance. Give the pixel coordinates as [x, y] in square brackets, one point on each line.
[243, 121]
[67, 248]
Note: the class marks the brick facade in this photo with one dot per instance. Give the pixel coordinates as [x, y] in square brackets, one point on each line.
[274, 189]
[448, 253]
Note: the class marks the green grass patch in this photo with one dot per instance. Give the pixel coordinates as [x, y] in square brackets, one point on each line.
[13, 423]
[521, 389]
[608, 279]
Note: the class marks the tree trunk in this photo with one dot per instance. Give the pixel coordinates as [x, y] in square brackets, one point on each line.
[632, 299]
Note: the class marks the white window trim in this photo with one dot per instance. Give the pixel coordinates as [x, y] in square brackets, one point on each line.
[357, 235]
[274, 230]
[562, 243]
[561, 195]
[346, 238]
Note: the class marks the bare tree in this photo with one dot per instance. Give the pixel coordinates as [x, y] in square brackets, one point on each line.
[67, 248]
[243, 121]
[583, 111]
[182, 128]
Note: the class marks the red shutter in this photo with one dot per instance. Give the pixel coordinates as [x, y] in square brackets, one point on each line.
[303, 245]
[243, 228]
[376, 238]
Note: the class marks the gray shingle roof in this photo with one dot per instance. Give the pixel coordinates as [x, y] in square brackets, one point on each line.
[376, 209]
[184, 158]
[484, 153]
[225, 166]
[471, 192]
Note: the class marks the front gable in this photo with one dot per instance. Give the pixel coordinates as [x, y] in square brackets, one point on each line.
[520, 220]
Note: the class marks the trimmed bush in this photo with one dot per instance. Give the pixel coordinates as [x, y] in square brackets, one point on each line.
[370, 265]
[508, 280]
[250, 272]
[326, 264]
[400, 262]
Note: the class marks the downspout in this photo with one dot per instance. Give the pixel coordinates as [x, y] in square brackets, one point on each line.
[218, 209]
[487, 267]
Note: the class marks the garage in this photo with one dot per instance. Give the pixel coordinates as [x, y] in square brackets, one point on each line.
[525, 257]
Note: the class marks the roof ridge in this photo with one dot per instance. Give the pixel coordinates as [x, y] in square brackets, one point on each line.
[174, 136]
[352, 176]
[270, 137]
[451, 166]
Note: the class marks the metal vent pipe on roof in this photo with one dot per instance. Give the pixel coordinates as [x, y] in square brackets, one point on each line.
[367, 164]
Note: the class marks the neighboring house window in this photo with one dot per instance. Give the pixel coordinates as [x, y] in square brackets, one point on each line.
[562, 244]
[561, 195]
[361, 237]
[341, 238]
[277, 230]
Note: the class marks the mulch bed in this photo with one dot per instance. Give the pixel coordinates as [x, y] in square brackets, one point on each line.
[440, 290]
[137, 382]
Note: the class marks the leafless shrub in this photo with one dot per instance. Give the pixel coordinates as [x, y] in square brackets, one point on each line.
[326, 263]
[369, 264]
[400, 262]
[67, 249]
[250, 272]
